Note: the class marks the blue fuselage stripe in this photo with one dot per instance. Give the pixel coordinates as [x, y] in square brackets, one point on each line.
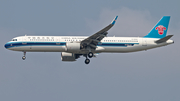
[20, 44]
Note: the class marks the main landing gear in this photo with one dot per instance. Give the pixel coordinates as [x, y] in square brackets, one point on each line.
[90, 55]
[24, 57]
[87, 61]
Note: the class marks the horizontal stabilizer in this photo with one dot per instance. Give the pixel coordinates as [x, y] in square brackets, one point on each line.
[164, 39]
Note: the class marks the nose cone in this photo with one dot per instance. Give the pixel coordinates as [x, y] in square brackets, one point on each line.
[7, 45]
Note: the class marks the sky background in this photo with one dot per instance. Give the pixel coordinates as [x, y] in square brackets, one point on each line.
[151, 75]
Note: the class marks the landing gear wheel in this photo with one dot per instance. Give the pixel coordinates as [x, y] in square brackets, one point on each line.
[87, 61]
[90, 55]
[23, 57]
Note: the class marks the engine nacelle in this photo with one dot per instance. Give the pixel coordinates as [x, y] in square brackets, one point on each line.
[68, 56]
[71, 47]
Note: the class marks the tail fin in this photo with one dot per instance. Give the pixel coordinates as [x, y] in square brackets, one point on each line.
[160, 29]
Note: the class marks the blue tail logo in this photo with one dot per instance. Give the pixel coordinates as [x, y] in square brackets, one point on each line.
[160, 29]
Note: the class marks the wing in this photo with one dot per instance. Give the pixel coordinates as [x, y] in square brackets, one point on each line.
[93, 40]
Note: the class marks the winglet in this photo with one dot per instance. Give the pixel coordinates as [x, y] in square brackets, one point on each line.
[114, 20]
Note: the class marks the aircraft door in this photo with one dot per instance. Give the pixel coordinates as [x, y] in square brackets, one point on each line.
[57, 41]
[24, 40]
[144, 42]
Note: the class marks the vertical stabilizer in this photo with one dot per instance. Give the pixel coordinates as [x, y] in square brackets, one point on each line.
[160, 29]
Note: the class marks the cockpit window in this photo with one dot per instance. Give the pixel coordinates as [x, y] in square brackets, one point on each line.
[14, 40]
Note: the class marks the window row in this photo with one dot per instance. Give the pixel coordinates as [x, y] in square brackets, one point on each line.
[41, 39]
[111, 40]
[73, 40]
[120, 40]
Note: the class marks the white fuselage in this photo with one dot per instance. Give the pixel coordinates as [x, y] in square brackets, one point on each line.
[58, 44]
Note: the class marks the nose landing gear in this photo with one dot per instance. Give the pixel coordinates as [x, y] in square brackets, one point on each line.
[24, 57]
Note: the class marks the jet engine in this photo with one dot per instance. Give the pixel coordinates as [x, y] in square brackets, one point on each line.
[71, 47]
[69, 56]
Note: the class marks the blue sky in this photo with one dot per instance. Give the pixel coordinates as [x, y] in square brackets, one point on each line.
[151, 75]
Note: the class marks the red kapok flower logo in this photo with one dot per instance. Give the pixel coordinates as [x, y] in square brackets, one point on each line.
[160, 29]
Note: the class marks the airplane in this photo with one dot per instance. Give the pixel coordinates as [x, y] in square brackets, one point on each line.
[72, 47]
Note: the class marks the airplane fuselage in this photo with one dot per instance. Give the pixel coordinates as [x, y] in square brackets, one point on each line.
[58, 44]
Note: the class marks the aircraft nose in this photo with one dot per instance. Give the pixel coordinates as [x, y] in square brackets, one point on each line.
[6, 45]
